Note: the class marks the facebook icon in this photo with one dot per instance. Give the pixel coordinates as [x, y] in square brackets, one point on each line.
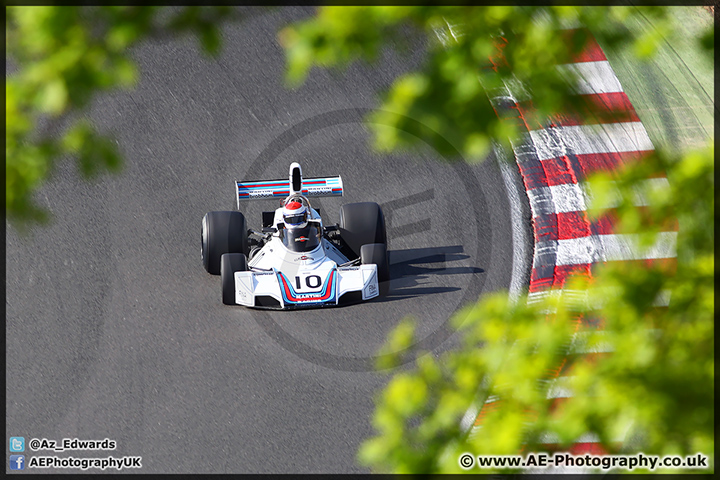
[17, 462]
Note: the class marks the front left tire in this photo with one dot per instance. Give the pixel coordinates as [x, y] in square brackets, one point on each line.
[222, 232]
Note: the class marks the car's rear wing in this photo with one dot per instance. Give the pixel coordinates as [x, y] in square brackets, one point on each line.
[311, 187]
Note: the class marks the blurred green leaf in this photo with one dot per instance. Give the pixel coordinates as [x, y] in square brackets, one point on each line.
[53, 98]
[210, 39]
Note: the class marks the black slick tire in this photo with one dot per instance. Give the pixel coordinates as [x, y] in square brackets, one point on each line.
[361, 224]
[222, 232]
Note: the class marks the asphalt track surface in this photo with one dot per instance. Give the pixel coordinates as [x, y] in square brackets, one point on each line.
[114, 330]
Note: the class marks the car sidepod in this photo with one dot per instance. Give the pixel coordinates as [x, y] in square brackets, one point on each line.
[306, 288]
[360, 281]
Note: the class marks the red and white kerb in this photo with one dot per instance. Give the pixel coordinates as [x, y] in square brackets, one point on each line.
[555, 157]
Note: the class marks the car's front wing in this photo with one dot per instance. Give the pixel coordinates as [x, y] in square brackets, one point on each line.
[275, 289]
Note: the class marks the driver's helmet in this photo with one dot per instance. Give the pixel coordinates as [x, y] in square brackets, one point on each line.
[295, 214]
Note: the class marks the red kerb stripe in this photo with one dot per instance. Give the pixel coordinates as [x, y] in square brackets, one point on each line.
[609, 222]
[592, 358]
[608, 162]
[559, 171]
[572, 225]
[590, 52]
[665, 265]
[600, 108]
[562, 273]
[539, 282]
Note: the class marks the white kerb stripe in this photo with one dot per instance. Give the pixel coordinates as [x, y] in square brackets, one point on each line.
[442, 36]
[552, 438]
[581, 343]
[579, 299]
[559, 388]
[579, 251]
[541, 201]
[577, 197]
[612, 199]
[587, 139]
[627, 246]
[615, 247]
[456, 30]
[593, 77]
[569, 23]
[568, 197]
[662, 299]
[468, 419]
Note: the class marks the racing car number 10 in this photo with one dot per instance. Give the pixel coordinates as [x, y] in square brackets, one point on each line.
[309, 280]
[297, 260]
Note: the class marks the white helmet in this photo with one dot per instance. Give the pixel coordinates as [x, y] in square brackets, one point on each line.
[295, 214]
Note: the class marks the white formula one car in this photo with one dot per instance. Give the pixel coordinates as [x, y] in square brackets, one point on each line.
[296, 261]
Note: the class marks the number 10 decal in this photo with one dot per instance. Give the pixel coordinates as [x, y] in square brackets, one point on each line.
[316, 280]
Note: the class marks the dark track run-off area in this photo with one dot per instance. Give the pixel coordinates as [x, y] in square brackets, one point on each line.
[114, 330]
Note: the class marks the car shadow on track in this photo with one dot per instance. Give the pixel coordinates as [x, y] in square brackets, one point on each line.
[413, 267]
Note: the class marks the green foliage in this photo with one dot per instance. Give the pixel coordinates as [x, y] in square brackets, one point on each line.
[657, 383]
[61, 58]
